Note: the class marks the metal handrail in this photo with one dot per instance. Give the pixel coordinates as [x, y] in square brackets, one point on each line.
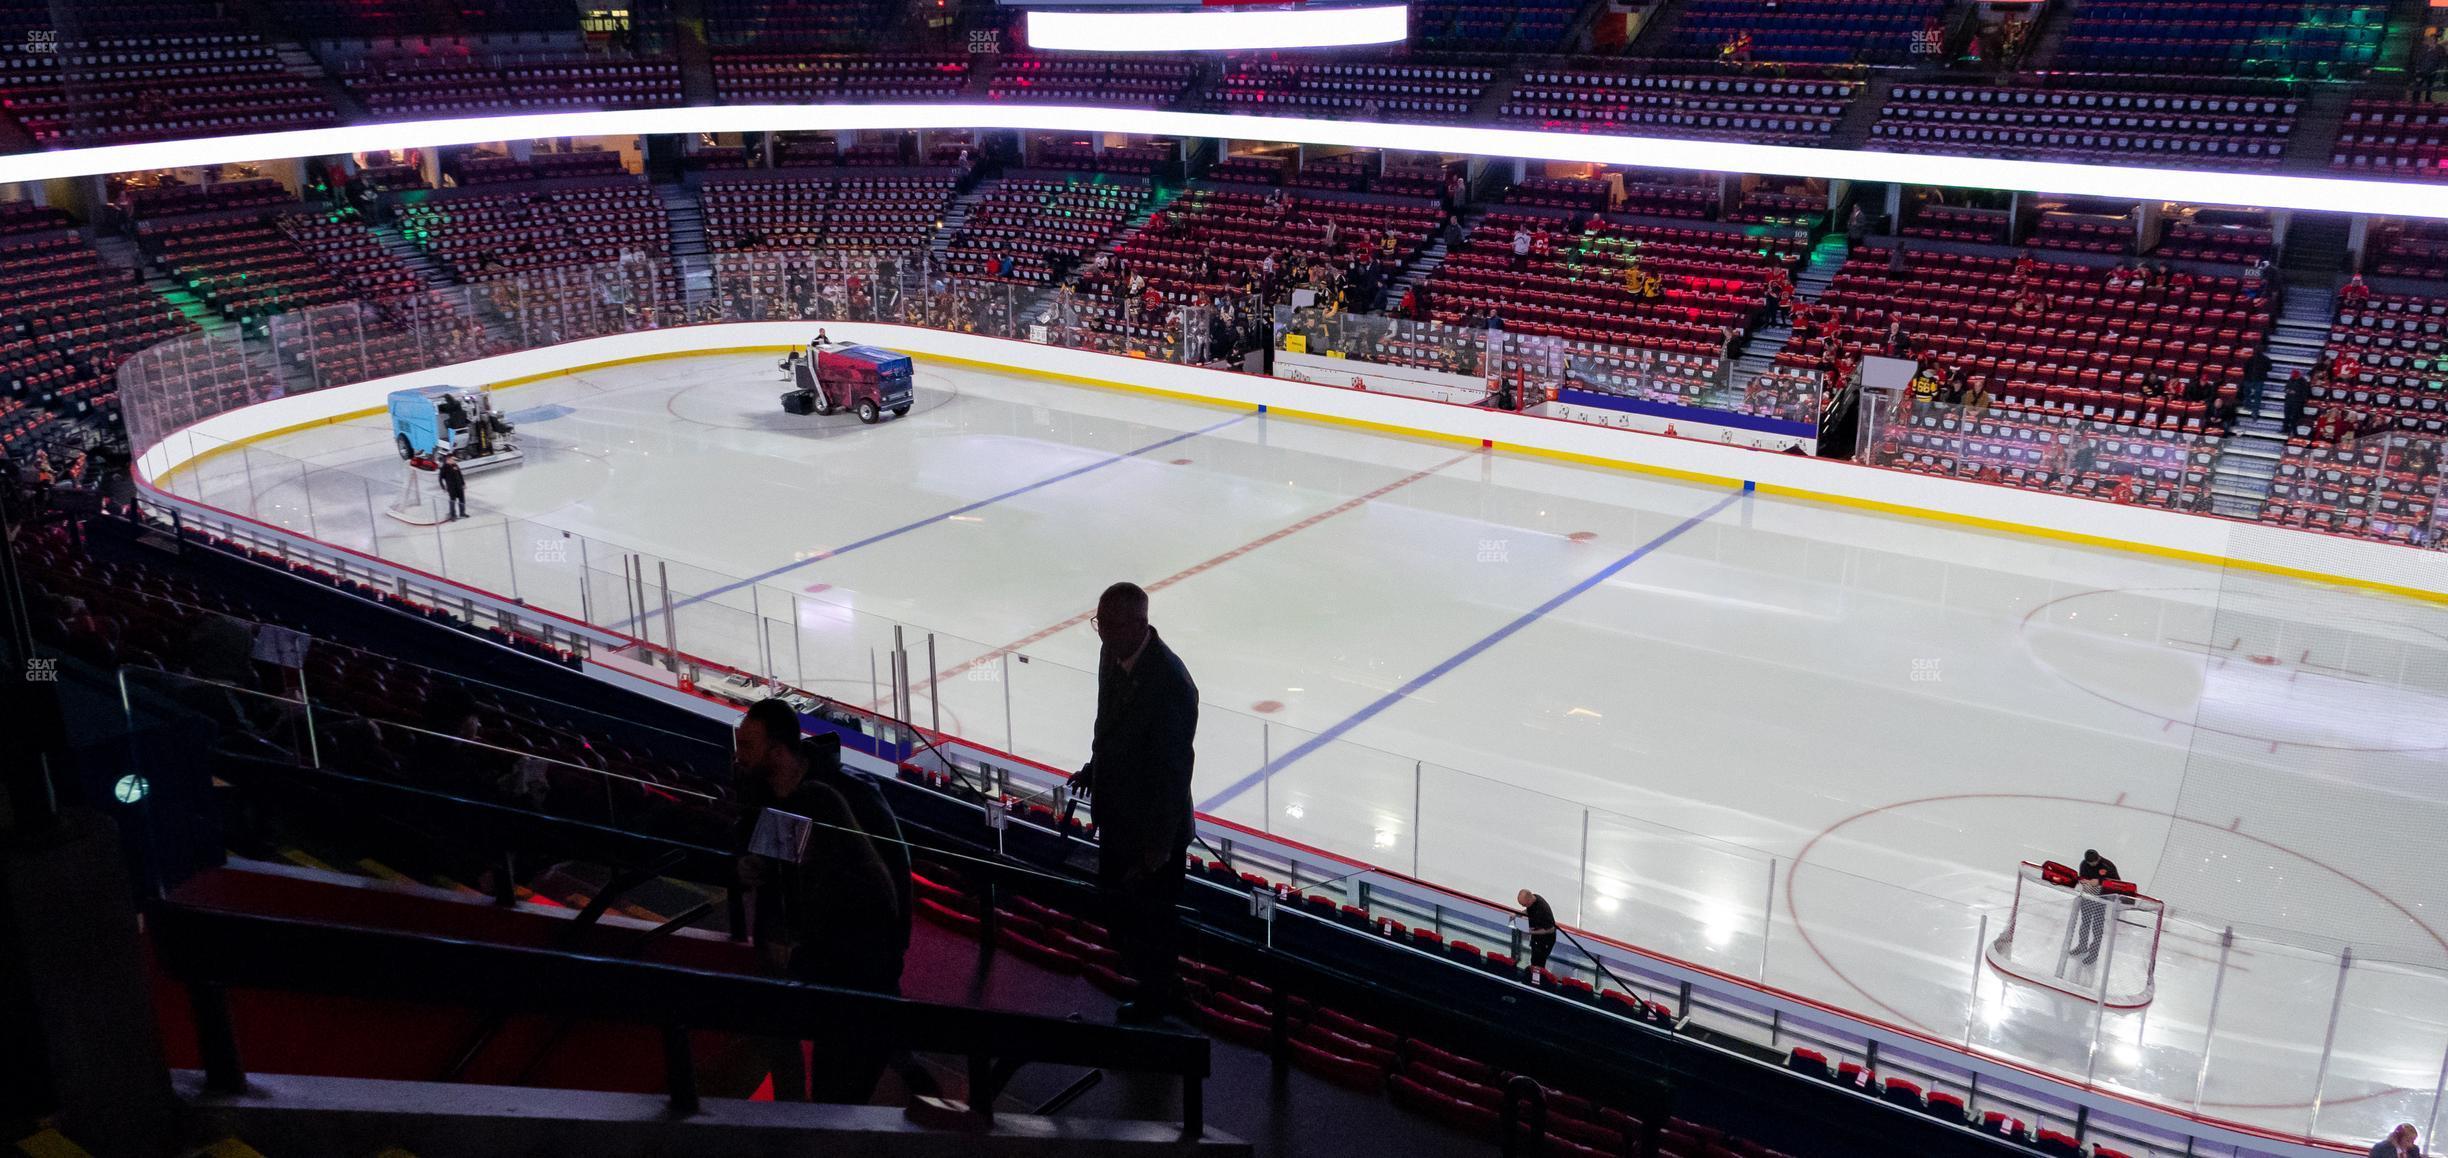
[214, 951]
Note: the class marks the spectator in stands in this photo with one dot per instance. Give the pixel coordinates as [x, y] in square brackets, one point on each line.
[1138, 776]
[2083, 457]
[2330, 428]
[2398, 1144]
[447, 753]
[1925, 384]
[832, 917]
[1360, 287]
[1857, 227]
[1951, 385]
[1521, 247]
[2091, 915]
[2356, 294]
[1540, 919]
[2421, 459]
[2429, 56]
[454, 485]
[217, 652]
[800, 285]
[2298, 392]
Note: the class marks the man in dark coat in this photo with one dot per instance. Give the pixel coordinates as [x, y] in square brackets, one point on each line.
[875, 817]
[454, 484]
[1138, 777]
[1540, 917]
[834, 915]
[2091, 912]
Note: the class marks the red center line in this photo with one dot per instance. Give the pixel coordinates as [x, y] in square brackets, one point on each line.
[1276, 535]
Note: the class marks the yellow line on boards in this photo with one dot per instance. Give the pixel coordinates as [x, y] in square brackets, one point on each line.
[1575, 457]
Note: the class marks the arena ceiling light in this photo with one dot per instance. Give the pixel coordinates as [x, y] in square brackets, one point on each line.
[1216, 30]
[2141, 183]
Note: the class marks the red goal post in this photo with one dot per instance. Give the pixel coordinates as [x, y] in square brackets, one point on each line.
[2100, 946]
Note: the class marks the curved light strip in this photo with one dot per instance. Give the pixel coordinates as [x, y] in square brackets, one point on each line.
[1216, 31]
[2261, 190]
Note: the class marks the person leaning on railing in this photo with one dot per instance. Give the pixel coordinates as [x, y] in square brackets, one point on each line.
[1138, 780]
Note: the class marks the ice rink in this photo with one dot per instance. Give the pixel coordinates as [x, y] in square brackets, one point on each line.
[1787, 740]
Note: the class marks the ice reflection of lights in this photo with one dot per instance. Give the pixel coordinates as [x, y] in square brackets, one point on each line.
[1718, 923]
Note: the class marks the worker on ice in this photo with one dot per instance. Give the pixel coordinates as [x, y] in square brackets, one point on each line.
[801, 364]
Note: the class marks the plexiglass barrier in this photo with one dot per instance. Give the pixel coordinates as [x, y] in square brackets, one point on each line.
[327, 729]
[1525, 370]
[917, 288]
[2381, 484]
[2262, 1027]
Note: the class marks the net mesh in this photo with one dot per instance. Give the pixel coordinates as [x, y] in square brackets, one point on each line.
[2090, 945]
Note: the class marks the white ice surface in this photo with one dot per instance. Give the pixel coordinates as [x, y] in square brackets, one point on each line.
[1798, 742]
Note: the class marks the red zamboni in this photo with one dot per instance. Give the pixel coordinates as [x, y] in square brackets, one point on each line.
[829, 377]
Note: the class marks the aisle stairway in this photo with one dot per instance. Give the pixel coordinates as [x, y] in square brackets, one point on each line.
[2315, 256]
[689, 253]
[956, 218]
[2317, 121]
[2054, 20]
[2405, 23]
[2240, 479]
[1658, 35]
[409, 253]
[298, 62]
[1760, 353]
[1163, 196]
[1852, 129]
[1429, 260]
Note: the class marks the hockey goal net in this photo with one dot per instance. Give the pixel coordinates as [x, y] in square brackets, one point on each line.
[2099, 945]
